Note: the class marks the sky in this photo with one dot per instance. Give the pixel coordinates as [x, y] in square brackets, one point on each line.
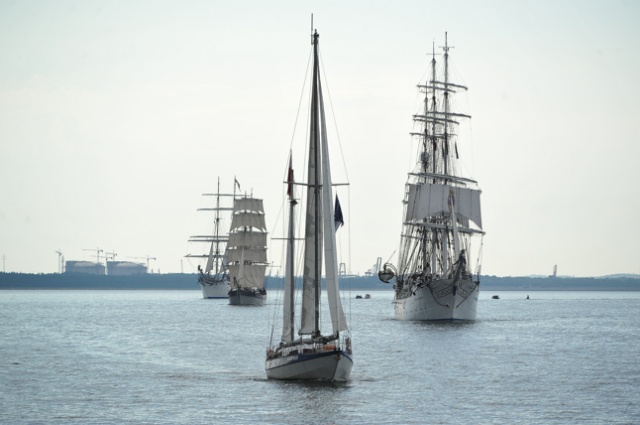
[116, 116]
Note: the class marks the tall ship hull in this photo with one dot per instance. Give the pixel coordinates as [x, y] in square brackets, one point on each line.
[218, 288]
[243, 296]
[437, 301]
[311, 363]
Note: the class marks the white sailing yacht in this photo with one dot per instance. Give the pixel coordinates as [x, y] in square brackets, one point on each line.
[441, 216]
[247, 252]
[216, 284]
[312, 355]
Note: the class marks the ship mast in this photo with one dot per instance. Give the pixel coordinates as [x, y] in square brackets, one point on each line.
[446, 105]
[217, 228]
[315, 138]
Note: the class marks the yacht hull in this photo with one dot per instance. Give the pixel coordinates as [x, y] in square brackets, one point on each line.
[427, 303]
[323, 366]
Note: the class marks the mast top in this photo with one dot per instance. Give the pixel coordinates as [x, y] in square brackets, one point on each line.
[446, 46]
[314, 32]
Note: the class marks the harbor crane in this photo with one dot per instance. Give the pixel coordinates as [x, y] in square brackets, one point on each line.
[97, 251]
[145, 258]
[373, 271]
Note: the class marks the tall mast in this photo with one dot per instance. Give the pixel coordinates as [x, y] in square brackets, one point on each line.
[217, 228]
[290, 276]
[446, 105]
[433, 107]
[315, 139]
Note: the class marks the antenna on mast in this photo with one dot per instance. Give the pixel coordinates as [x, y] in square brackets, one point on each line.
[311, 28]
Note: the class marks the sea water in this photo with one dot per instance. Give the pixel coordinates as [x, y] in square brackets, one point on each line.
[170, 357]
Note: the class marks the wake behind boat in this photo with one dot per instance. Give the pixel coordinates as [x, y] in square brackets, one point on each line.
[441, 217]
[310, 355]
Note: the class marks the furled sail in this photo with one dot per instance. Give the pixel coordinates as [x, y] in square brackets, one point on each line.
[288, 311]
[313, 219]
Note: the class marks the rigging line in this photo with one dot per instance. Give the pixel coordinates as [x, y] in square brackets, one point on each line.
[335, 122]
[302, 92]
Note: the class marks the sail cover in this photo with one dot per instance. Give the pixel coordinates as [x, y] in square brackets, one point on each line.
[288, 312]
[428, 199]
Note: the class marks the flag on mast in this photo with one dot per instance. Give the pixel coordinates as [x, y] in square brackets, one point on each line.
[290, 179]
[337, 216]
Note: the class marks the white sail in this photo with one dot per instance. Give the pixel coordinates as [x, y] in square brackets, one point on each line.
[209, 265]
[338, 320]
[248, 238]
[427, 199]
[247, 275]
[249, 204]
[246, 250]
[248, 218]
[252, 254]
[313, 228]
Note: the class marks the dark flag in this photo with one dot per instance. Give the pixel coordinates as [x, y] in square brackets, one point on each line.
[337, 216]
[290, 180]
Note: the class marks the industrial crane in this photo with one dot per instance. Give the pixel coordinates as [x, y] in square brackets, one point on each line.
[147, 258]
[97, 251]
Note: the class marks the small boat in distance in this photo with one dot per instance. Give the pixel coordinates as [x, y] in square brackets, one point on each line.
[247, 252]
[441, 216]
[310, 354]
[213, 279]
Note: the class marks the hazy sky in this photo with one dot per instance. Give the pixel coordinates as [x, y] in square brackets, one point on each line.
[116, 115]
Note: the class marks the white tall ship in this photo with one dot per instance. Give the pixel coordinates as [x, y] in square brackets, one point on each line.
[247, 252]
[310, 354]
[442, 218]
[213, 278]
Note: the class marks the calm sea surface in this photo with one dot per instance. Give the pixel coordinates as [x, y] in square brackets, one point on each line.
[170, 357]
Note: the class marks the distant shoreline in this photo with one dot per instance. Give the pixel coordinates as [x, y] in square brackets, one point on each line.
[190, 281]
